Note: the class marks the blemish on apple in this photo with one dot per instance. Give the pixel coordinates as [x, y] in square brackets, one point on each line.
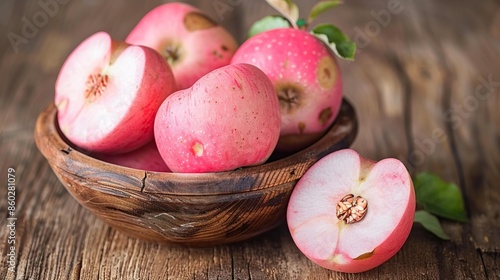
[198, 149]
[324, 116]
[327, 74]
[365, 255]
[194, 21]
[302, 127]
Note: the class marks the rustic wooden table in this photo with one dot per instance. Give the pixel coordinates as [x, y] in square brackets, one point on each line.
[426, 87]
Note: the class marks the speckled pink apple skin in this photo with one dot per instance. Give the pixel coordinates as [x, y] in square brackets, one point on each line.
[364, 245]
[291, 56]
[120, 119]
[230, 118]
[146, 157]
[202, 50]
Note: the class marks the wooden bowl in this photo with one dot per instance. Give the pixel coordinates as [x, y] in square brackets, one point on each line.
[190, 209]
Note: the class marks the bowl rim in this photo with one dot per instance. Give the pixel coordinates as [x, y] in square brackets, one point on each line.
[65, 156]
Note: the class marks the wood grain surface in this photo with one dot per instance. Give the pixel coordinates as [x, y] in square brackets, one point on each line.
[425, 84]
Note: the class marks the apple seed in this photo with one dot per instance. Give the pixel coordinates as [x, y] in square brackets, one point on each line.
[350, 209]
[96, 84]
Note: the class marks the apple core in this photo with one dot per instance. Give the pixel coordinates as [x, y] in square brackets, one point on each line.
[96, 84]
[351, 209]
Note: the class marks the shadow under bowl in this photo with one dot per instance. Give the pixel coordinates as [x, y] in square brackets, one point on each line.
[203, 209]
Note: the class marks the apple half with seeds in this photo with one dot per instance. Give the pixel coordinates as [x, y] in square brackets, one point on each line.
[108, 92]
[351, 214]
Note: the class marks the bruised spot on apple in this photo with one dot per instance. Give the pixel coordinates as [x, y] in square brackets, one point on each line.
[325, 115]
[351, 214]
[327, 72]
[194, 21]
[302, 126]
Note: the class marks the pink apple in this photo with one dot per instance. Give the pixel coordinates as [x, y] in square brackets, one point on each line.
[228, 119]
[187, 38]
[108, 92]
[146, 157]
[306, 77]
[351, 214]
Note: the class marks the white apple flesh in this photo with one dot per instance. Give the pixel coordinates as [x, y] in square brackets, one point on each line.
[358, 232]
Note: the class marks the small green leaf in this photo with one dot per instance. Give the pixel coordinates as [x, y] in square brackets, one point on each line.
[321, 7]
[439, 197]
[430, 223]
[302, 23]
[267, 23]
[287, 8]
[338, 41]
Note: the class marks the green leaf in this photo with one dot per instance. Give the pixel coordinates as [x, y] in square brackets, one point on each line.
[267, 23]
[287, 8]
[439, 197]
[338, 41]
[430, 223]
[321, 7]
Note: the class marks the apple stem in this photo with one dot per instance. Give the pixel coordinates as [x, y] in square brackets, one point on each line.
[96, 84]
[350, 209]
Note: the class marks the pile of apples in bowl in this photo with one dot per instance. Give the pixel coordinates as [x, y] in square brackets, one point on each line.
[179, 135]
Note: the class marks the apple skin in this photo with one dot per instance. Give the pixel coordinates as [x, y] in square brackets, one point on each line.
[306, 77]
[199, 43]
[146, 157]
[364, 245]
[103, 115]
[228, 119]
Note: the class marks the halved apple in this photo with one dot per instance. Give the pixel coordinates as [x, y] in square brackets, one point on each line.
[351, 214]
[108, 92]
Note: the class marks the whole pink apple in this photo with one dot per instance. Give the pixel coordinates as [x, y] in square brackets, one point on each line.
[351, 214]
[146, 157]
[187, 38]
[306, 77]
[108, 92]
[228, 119]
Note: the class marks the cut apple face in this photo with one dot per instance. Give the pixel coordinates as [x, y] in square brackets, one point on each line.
[102, 87]
[350, 214]
[191, 42]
